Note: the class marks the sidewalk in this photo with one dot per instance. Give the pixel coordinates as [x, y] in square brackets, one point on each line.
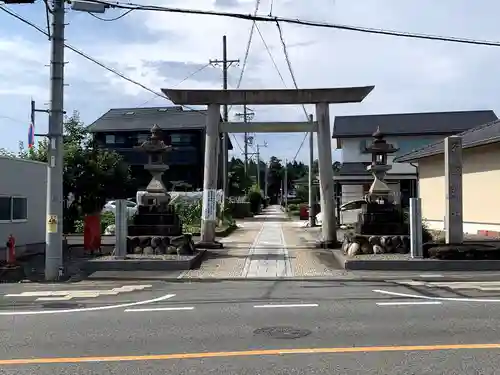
[267, 246]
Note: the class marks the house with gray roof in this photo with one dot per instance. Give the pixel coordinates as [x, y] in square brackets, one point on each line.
[407, 132]
[480, 179]
[121, 129]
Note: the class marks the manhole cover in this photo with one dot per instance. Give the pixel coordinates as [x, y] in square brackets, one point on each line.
[62, 305]
[282, 332]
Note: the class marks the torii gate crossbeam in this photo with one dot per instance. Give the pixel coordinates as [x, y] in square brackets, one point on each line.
[215, 98]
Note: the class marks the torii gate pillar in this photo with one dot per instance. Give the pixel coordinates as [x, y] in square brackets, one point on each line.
[215, 98]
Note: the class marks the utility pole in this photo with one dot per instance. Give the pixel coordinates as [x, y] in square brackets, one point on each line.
[258, 162]
[225, 156]
[312, 221]
[54, 238]
[246, 117]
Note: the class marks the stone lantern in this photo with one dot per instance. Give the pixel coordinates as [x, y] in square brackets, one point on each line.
[155, 148]
[379, 167]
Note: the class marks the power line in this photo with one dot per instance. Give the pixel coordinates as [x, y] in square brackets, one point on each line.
[111, 19]
[270, 54]
[180, 82]
[296, 21]
[90, 58]
[289, 64]
[247, 50]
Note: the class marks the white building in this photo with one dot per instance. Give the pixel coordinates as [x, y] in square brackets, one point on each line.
[23, 196]
[408, 131]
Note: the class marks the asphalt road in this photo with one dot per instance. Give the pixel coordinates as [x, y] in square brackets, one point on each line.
[254, 327]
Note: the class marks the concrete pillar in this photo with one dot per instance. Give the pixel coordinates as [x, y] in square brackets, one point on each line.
[209, 209]
[416, 250]
[121, 229]
[329, 226]
[453, 183]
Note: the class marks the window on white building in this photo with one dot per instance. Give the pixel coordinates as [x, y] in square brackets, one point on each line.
[5, 208]
[19, 208]
[13, 209]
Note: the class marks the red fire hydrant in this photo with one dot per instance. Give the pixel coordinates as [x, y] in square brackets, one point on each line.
[11, 250]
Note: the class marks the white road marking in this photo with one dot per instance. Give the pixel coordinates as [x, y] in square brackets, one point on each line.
[60, 295]
[431, 275]
[161, 309]
[86, 309]
[451, 299]
[294, 305]
[409, 303]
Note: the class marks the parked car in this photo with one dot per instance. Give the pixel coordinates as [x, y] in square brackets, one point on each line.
[110, 206]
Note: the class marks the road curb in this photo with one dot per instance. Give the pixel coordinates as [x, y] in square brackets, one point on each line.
[303, 279]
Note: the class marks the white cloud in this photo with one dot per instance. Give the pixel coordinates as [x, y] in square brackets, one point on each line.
[157, 48]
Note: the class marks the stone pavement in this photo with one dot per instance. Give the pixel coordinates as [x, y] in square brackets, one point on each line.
[267, 246]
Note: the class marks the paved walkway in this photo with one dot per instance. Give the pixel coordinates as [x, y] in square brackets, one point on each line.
[268, 245]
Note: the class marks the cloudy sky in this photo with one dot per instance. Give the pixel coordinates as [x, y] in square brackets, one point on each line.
[161, 49]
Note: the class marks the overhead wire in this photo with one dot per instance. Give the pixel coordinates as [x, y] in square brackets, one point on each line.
[92, 59]
[292, 74]
[247, 49]
[180, 82]
[270, 54]
[245, 58]
[111, 19]
[302, 22]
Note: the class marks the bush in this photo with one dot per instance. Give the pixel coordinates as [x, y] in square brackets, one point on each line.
[107, 219]
[293, 207]
[255, 199]
[296, 201]
[238, 210]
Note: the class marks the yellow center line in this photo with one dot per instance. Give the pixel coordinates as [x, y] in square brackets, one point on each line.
[247, 353]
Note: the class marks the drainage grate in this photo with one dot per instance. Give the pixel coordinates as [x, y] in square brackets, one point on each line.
[282, 332]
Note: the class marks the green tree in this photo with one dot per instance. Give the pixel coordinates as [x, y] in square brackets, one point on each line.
[238, 182]
[92, 174]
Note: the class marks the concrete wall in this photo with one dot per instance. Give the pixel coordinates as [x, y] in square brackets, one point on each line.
[27, 179]
[481, 182]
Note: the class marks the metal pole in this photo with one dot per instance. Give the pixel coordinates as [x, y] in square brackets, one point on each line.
[416, 250]
[33, 110]
[285, 184]
[225, 152]
[312, 221]
[258, 167]
[265, 181]
[53, 252]
[246, 141]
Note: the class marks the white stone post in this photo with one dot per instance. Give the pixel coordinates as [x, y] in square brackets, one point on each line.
[209, 209]
[329, 227]
[453, 185]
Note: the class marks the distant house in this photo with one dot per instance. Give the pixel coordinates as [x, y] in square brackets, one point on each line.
[406, 131]
[122, 129]
[480, 179]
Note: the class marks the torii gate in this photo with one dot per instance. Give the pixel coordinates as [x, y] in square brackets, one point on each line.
[320, 97]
